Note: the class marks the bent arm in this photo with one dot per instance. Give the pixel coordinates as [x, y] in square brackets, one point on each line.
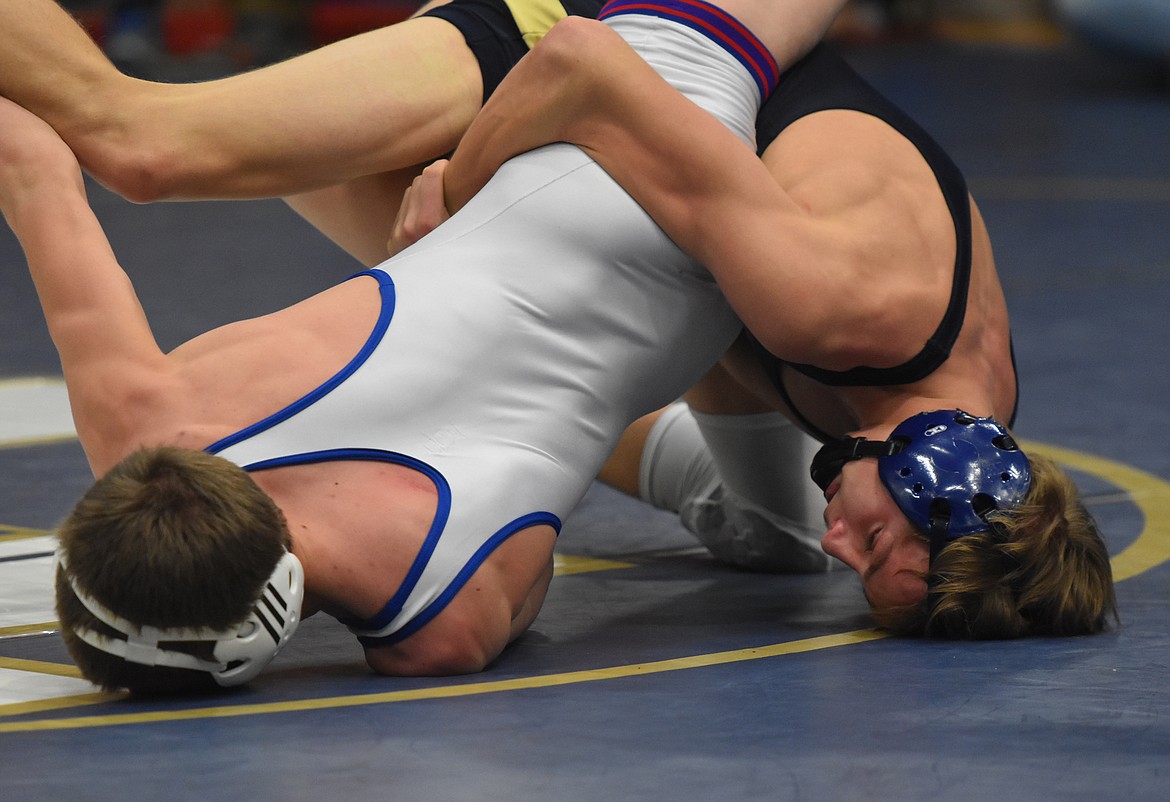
[92, 311]
[552, 95]
[779, 267]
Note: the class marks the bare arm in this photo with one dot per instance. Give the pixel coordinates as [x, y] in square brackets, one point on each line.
[785, 272]
[93, 314]
[554, 94]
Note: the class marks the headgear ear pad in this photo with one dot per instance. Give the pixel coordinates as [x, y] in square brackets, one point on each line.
[240, 653]
[954, 465]
[946, 470]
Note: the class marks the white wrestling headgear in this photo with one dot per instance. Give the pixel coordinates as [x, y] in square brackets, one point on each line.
[240, 652]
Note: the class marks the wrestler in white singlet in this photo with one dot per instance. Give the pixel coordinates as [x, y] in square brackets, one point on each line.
[518, 340]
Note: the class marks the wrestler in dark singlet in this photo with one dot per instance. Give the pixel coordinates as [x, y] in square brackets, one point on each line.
[822, 81]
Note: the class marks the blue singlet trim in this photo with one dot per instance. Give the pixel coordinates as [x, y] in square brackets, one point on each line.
[438, 605]
[386, 288]
[442, 511]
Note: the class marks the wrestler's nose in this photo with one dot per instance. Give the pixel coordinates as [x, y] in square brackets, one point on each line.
[835, 543]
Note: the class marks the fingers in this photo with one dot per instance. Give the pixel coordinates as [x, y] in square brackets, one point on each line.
[423, 208]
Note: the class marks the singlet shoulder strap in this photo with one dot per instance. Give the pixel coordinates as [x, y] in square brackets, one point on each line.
[823, 81]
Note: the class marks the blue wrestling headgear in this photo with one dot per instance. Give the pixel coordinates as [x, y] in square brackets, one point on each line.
[947, 470]
[240, 652]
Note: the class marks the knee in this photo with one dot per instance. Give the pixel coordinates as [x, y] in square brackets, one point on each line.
[577, 46]
[744, 535]
[136, 168]
[571, 33]
[123, 138]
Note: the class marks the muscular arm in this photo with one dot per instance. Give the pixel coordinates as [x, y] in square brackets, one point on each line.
[784, 271]
[554, 94]
[92, 311]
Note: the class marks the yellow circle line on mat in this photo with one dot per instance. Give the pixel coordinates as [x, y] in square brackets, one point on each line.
[1150, 493]
[47, 627]
[452, 691]
[39, 667]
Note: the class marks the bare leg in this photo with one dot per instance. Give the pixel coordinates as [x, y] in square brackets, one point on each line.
[621, 470]
[720, 393]
[377, 102]
[357, 215]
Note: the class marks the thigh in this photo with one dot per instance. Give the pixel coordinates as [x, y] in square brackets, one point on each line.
[357, 215]
[377, 102]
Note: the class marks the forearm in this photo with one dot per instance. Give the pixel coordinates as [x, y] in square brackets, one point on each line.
[706, 189]
[714, 197]
[554, 94]
[90, 307]
[584, 85]
[88, 302]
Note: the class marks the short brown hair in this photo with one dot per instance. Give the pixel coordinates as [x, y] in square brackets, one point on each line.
[1046, 572]
[168, 538]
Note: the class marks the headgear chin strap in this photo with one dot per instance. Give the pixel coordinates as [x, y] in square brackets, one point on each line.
[240, 653]
[947, 471]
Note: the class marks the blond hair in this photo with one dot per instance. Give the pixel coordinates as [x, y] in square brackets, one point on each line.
[1042, 569]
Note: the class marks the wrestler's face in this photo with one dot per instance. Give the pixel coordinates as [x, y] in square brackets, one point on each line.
[866, 531]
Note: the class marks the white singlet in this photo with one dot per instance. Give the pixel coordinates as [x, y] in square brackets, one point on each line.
[516, 343]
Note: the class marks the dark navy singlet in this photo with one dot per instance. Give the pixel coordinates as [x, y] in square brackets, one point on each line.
[822, 81]
[500, 32]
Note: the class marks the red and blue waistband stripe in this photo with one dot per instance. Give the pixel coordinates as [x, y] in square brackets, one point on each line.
[714, 22]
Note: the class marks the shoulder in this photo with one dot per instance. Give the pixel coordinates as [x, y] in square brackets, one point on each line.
[125, 408]
[499, 603]
[877, 223]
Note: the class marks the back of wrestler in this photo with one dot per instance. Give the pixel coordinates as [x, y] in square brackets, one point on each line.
[480, 380]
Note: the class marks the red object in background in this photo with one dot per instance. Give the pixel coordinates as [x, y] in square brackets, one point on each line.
[197, 26]
[93, 21]
[191, 28]
[331, 20]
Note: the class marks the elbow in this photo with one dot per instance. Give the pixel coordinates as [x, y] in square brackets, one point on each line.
[449, 656]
